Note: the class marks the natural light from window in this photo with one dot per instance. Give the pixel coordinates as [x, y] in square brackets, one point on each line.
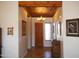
[47, 31]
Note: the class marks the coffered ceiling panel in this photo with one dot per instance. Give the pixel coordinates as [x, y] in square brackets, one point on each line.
[41, 8]
[41, 11]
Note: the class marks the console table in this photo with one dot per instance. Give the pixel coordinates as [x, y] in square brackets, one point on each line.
[56, 49]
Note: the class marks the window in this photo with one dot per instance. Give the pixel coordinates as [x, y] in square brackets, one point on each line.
[47, 31]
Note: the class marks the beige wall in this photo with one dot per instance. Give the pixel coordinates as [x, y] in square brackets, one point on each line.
[23, 40]
[70, 44]
[9, 18]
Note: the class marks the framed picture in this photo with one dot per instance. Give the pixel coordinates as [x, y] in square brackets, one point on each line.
[72, 27]
[10, 30]
[23, 28]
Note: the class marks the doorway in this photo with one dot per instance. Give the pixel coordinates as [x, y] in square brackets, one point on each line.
[47, 34]
[38, 34]
[43, 34]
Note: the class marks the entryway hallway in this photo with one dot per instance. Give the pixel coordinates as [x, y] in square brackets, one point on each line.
[18, 33]
[41, 29]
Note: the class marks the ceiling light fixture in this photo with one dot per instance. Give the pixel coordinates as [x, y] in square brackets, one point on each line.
[41, 18]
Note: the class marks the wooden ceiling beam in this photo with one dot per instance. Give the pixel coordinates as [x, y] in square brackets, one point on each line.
[31, 5]
[40, 3]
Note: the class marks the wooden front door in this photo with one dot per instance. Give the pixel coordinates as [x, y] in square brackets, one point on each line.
[38, 34]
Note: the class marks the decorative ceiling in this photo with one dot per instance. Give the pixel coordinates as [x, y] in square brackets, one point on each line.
[41, 8]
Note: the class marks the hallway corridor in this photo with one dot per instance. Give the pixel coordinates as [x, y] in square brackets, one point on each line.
[39, 53]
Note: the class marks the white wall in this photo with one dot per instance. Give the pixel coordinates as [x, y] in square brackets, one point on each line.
[46, 43]
[9, 18]
[70, 44]
[29, 30]
[23, 42]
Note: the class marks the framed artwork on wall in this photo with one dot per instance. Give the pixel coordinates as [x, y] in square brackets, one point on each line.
[23, 28]
[10, 30]
[72, 27]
